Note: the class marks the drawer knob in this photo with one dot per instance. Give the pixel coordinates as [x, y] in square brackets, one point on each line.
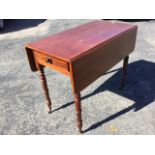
[48, 60]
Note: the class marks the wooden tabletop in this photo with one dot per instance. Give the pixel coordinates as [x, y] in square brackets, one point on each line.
[73, 43]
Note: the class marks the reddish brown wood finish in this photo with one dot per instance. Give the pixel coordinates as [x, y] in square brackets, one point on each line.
[44, 85]
[124, 71]
[31, 59]
[84, 54]
[78, 111]
[54, 63]
[71, 44]
[99, 60]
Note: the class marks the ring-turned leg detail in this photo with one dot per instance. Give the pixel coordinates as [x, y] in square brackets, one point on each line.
[44, 85]
[78, 111]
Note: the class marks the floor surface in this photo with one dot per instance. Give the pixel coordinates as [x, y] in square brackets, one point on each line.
[105, 109]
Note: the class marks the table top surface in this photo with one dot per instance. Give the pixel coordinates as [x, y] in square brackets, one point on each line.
[75, 42]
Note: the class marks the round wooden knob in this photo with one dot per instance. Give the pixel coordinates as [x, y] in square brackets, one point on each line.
[48, 60]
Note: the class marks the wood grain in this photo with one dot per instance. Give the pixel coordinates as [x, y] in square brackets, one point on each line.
[31, 59]
[44, 86]
[84, 54]
[77, 99]
[71, 43]
[56, 63]
[99, 60]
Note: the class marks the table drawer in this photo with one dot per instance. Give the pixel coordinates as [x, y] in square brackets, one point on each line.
[54, 63]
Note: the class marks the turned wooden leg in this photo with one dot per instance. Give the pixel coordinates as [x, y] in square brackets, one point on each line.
[44, 85]
[78, 111]
[124, 71]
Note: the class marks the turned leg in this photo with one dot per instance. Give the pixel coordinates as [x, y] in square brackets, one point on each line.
[78, 111]
[44, 85]
[124, 71]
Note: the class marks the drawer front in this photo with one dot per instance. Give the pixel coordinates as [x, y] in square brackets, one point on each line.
[51, 62]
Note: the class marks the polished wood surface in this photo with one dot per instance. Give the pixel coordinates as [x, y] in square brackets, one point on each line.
[44, 85]
[31, 59]
[70, 44]
[78, 111]
[52, 62]
[84, 54]
[91, 66]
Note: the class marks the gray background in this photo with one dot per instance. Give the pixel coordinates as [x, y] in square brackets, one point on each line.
[105, 109]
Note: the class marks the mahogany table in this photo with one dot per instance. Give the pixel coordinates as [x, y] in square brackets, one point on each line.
[84, 54]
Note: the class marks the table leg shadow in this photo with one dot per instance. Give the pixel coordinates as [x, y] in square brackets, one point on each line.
[139, 87]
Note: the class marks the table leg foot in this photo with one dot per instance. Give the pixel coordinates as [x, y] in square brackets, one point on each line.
[124, 71]
[79, 132]
[78, 111]
[45, 88]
